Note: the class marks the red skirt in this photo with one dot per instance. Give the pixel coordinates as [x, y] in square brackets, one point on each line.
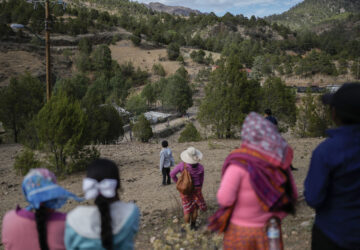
[246, 238]
[193, 201]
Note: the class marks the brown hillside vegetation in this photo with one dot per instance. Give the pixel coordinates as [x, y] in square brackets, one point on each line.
[159, 205]
[124, 51]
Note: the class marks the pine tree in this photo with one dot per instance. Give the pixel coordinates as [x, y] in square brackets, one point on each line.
[20, 101]
[142, 129]
[280, 99]
[229, 97]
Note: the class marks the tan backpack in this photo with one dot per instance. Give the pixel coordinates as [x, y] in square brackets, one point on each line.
[184, 184]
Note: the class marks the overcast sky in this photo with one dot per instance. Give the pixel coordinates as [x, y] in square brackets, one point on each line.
[259, 8]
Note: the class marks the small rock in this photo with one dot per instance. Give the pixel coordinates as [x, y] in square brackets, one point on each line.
[294, 233]
[152, 239]
[156, 228]
[305, 224]
[175, 220]
[285, 236]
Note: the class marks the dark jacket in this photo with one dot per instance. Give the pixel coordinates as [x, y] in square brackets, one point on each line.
[332, 186]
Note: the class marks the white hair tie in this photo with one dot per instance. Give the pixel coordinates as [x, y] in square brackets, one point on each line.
[92, 188]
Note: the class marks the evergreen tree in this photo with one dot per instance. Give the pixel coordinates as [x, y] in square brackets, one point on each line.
[20, 101]
[106, 125]
[142, 129]
[229, 97]
[280, 99]
[85, 46]
[173, 51]
[149, 94]
[61, 126]
[178, 94]
[102, 58]
[189, 134]
[74, 88]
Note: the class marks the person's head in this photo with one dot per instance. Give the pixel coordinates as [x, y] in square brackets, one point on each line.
[43, 195]
[345, 104]
[268, 112]
[102, 183]
[191, 156]
[262, 136]
[164, 144]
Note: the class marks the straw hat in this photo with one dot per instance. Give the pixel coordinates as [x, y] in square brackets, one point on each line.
[191, 155]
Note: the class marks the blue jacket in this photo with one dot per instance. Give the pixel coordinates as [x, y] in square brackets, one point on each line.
[332, 186]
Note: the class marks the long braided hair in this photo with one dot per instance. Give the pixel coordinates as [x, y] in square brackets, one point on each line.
[104, 169]
[40, 218]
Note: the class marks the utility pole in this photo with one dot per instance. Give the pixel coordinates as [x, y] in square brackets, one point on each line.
[16, 26]
[47, 45]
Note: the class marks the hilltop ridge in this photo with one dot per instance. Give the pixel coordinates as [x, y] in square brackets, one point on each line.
[310, 13]
[174, 10]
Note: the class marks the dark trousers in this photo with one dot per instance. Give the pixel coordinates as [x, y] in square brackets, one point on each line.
[320, 241]
[166, 172]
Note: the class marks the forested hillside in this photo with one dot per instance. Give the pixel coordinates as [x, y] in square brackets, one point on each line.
[314, 12]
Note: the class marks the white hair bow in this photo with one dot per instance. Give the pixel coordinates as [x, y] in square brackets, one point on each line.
[92, 188]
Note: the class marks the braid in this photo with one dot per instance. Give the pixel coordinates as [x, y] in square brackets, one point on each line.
[40, 217]
[106, 230]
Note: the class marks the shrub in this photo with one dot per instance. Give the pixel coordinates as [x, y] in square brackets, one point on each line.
[189, 134]
[313, 117]
[173, 51]
[67, 53]
[136, 40]
[81, 159]
[83, 62]
[25, 161]
[106, 125]
[142, 129]
[115, 39]
[85, 46]
[136, 104]
[158, 69]
[181, 60]
[198, 56]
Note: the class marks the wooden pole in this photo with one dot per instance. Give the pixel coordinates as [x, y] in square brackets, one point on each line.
[47, 45]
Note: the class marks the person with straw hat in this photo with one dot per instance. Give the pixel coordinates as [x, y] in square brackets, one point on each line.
[194, 201]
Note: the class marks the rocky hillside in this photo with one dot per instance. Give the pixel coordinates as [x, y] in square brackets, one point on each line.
[313, 12]
[174, 10]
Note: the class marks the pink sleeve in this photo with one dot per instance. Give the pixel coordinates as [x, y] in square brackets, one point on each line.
[178, 168]
[4, 239]
[229, 186]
